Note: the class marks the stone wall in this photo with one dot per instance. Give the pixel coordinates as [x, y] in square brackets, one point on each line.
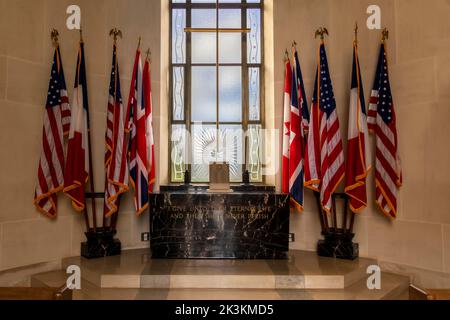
[25, 58]
[418, 242]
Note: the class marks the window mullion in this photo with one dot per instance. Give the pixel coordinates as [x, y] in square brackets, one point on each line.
[245, 94]
[187, 89]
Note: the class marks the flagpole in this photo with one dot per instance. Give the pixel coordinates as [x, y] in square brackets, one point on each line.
[91, 173]
[85, 212]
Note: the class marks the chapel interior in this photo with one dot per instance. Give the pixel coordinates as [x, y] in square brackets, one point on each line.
[217, 213]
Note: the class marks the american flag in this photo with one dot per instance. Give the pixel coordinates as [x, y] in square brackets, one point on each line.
[287, 127]
[382, 121]
[142, 153]
[56, 123]
[358, 151]
[298, 127]
[325, 167]
[116, 166]
[77, 167]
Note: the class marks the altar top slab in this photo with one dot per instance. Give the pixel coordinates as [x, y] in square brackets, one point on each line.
[303, 270]
[203, 189]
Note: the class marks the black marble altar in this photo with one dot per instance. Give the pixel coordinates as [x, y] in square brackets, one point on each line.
[187, 222]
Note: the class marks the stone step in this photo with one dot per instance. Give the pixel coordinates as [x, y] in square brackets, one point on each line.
[394, 287]
[304, 270]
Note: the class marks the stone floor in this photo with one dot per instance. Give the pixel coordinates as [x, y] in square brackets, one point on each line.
[134, 275]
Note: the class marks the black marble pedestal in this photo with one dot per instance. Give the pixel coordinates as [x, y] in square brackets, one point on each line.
[100, 244]
[338, 244]
[190, 223]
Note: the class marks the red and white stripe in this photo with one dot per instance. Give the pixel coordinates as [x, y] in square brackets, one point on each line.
[383, 122]
[116, 166]
[324, 161]
[51, 164]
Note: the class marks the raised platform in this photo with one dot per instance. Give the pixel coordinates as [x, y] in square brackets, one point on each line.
[304, 276]
[304, 270]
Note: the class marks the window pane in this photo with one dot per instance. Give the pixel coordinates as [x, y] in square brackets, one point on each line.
[230, 18]
[178, 36]
[204, 151]
[254, 153]
[230, 48]
[254, 94]
[230, 94]
[254, 37]
[204, 94]
[204, 18]
[178, 93]
[231, 150]
[204, 47]
[178, 154]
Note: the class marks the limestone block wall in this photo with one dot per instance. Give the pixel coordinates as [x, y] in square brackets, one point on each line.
[418, 242]
[25, 59]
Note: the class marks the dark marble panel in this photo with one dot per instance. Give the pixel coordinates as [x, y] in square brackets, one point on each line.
[240, 225]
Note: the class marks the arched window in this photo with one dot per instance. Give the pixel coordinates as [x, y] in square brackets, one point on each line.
[216, 87]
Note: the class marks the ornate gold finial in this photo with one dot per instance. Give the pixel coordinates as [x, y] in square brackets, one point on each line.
[322, 32]
[356, 32]
[55, 37]
[286, 56]
[294, 44]
[115, 33]
[385, 34]
[139, 43]
[149, 55]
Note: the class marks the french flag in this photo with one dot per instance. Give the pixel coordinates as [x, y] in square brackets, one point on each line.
[77, 165]
[358, 152]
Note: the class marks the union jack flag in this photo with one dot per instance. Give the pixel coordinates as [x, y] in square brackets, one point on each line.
[358, 151]
[56, 124]
[299, 122]
[141, 153]
[325, 167]
[383, 122]
[116, 167]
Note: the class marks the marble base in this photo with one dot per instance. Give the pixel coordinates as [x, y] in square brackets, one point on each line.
[100, 244]
[302, 270]
[304, 276]
[338, 245]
